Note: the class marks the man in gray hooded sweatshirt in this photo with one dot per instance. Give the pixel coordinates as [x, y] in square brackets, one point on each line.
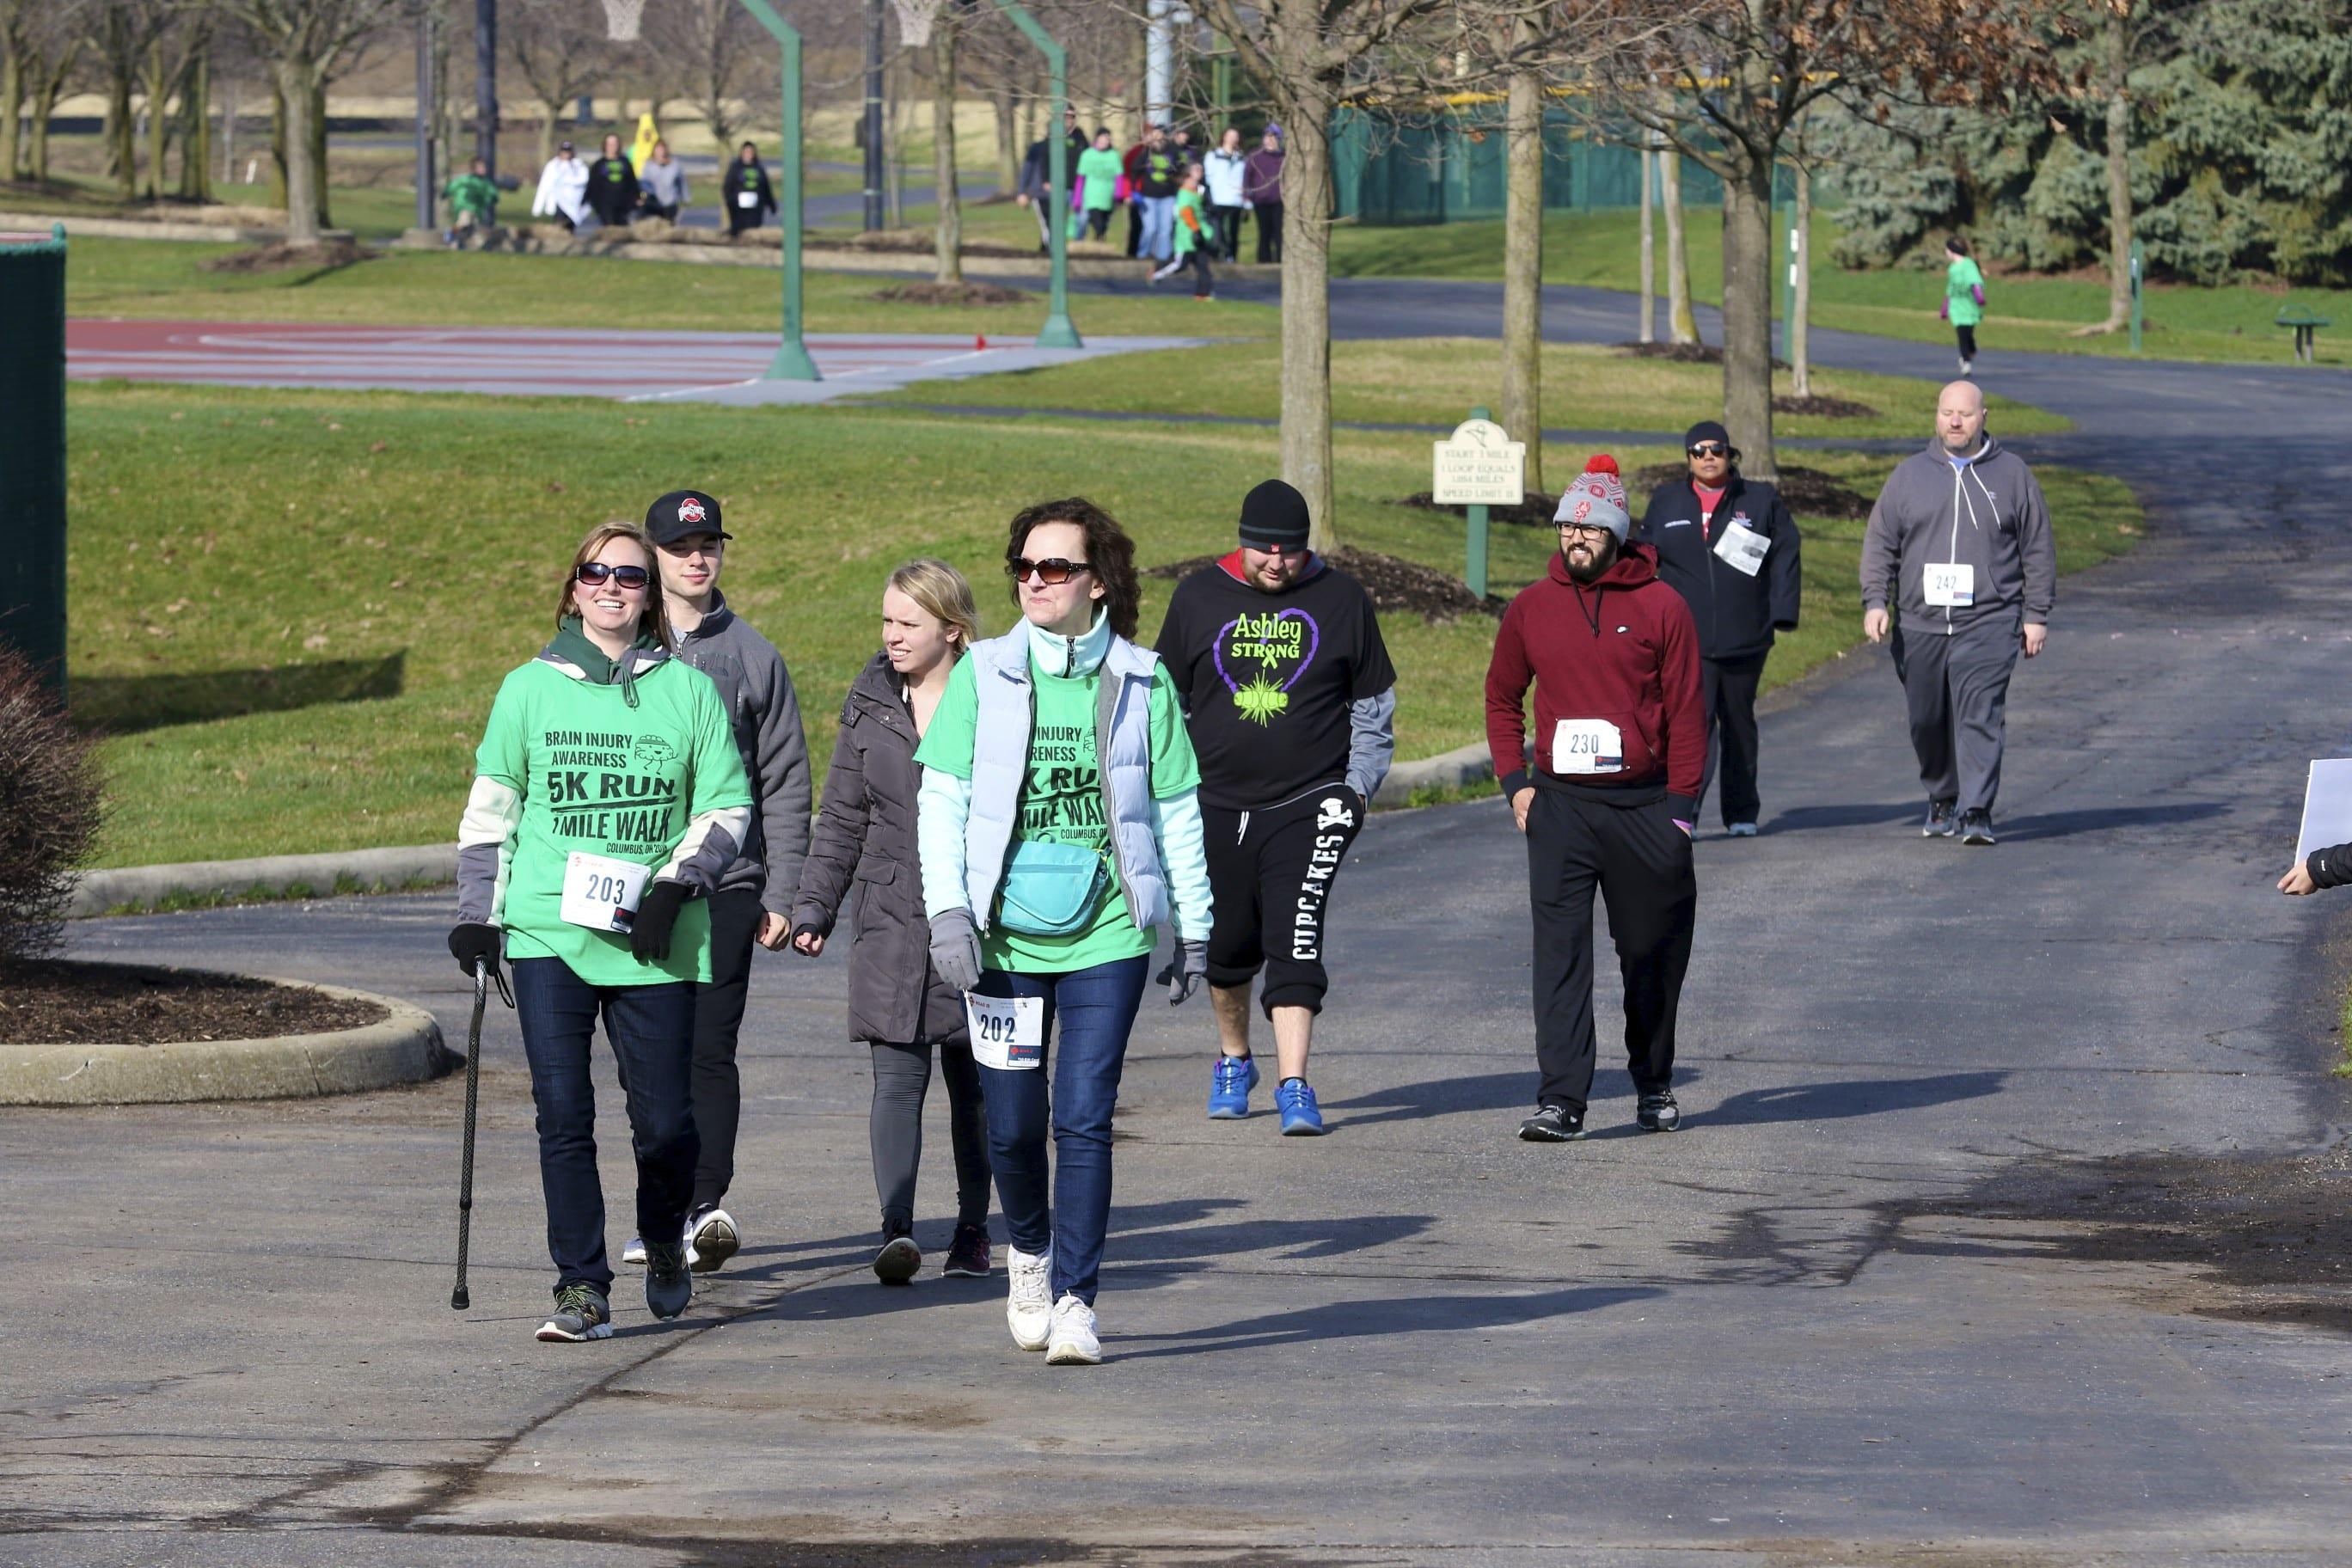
[1960, 543]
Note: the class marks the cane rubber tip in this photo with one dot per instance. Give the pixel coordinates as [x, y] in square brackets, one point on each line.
[459, 1300]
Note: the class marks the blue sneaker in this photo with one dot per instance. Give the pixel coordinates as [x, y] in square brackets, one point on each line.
[1301, 1117]
[1230, 1082]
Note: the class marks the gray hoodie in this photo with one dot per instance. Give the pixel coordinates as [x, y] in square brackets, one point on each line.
[1986, 513]
[765, 714]
[665, 183]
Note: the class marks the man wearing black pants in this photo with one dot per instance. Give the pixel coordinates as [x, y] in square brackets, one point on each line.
[1728, 546]
[1290, 700]
[1620, 744]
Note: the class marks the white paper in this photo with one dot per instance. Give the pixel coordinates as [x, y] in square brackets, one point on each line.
[747, 199]
[2326, 807]
[1008, 1033]
[1742, 549]
[600, 892]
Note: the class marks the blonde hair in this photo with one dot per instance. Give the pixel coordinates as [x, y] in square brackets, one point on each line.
[943, 592]
[654, 617]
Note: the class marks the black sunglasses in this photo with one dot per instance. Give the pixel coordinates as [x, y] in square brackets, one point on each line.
[1710, 450]
[1053, 573]
[594, 574]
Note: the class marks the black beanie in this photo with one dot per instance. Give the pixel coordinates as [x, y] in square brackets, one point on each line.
[1708, 430]
[1273, 515]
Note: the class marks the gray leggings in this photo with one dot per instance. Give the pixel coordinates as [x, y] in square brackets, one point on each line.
[902, 1074]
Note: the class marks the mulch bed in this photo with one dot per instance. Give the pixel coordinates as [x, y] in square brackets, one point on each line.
[1682, 353]
[1395, 586]
[279, 257]
[965, 293]
[125, 1005]
[1808, 491]
[1824, 407]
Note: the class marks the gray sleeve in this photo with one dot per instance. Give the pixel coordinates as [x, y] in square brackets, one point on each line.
[1879, 557]
[1371, 742]
[2037, 553]
[782, 766]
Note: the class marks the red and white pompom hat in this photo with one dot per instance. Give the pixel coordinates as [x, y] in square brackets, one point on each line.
[1596, 498]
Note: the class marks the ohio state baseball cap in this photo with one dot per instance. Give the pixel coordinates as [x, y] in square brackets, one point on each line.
[682, 512]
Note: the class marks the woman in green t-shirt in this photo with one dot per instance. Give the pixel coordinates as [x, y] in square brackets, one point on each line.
[607, 789]
[1058, 829]
[1964, 299]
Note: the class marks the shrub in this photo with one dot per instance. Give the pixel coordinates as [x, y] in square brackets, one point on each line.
[52, 798]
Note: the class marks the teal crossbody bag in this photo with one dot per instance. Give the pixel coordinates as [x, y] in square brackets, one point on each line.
[1051, 890]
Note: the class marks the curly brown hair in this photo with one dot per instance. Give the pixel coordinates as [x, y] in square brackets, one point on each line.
[1110, 555]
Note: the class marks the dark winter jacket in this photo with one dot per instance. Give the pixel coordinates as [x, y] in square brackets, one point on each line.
[752, 177]
[1621, 651]
[1987, 514]
[1262, 180]
[2330, 866]
[611, 190]
[764, 713]
[1735, 614]
[866, 835]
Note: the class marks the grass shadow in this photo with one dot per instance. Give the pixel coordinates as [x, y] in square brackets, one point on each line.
[127, 704]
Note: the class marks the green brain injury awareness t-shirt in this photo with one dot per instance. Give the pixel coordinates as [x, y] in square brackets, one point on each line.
[598, 775]
[1062, 802]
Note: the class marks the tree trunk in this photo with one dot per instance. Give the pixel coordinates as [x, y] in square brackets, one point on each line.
[1008, 156]
[159, 130]
[1682, 327]
[1649, 249]
[1748, 316]
[1138, 62]
[122, 136]
[894, 144]
[1307, 313]
[946, 240]
[197, 129]
[2119, 196]
[298, 96]
[1800, 357]
[319, 148]
[276, 142]
[44, 102]
[12, 105]
[549, 114]
[1523, 266]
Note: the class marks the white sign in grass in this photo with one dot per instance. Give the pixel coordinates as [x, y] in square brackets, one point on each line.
[1478, 465]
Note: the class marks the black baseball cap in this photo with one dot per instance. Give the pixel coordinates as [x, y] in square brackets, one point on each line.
[682, 512]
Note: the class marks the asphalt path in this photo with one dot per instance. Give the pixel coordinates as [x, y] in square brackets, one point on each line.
[1787, 1334]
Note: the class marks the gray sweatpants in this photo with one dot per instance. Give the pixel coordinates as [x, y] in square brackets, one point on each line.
[1957, 687]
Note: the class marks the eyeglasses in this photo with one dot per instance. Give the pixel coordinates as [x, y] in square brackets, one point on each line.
[1587, 531]
[1710, 450]
[1053, 573]
[594, 573]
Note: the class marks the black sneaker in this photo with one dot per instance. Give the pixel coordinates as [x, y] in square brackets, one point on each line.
[898, 1261]
[1552, 1125]
[1939, 821]
[1976, 828]
[580, 1313]
[968, 1256]
[1658, 1112]
[669, 1285]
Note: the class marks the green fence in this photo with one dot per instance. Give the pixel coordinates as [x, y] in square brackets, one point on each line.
[32, 449]
[1392, 171]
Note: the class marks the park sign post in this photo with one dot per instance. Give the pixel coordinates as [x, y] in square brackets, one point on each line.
[1478, 466]
[32, 450]
[791, 361]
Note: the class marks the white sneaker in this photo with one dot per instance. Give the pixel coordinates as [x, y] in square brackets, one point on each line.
[1073, 1341]
[1741, 830]
[1030, 1308]
[711, 1238]
[634, 1252]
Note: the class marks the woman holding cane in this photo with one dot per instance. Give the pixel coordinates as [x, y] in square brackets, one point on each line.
[1059, 829]
[607, 791]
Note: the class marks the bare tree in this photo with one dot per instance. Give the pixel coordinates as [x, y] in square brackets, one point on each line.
[711, 54]
[40, 41]
[1682, 327]
[559, 50]
[121, 34]
[947, 238]
[307, 42]
[171, 70]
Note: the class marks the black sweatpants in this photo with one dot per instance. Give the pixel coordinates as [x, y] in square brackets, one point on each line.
[718, 1015]
[1956, 688]
[1968, 340]
[1269, 231]
[1641, 862]
[902, 1076]
[1728, 691]
[1270, 875]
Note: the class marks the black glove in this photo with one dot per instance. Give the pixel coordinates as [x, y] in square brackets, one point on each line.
[657, 912]
[471, 942]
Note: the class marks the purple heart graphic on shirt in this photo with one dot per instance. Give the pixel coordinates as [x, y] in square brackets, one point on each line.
[1261, 630]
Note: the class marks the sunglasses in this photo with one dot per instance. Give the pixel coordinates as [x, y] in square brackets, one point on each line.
[1053, 573]
[594, 573]
[1710, 450]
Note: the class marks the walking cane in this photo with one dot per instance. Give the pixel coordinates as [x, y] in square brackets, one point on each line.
[459, 1299]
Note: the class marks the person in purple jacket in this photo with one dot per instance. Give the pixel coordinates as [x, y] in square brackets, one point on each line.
[1262, 189]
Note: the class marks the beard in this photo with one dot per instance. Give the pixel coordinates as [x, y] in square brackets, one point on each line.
[1603, 558]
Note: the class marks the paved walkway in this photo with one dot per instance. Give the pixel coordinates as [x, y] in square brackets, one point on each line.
[1790, 1334]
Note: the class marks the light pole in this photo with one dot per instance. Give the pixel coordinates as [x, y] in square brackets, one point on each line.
[428, 101]
[791, 361]
[485, 84]
[872, 119]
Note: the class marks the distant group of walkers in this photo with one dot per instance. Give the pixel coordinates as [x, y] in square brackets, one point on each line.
[612, 189]
[1184, 207]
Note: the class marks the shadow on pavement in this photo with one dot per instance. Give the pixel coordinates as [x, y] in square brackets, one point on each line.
[2071, 824]
[1397, 1315]
[1813, 818]
[1849, 1097]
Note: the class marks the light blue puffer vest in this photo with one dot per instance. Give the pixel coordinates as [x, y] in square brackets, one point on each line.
[1000, 765]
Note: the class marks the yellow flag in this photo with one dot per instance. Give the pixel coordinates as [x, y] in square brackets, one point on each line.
[648, 134]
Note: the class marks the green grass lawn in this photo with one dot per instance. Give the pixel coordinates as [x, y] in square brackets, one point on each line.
[1602, 249]
[1435, 381]
[289, 610]
[149, 278]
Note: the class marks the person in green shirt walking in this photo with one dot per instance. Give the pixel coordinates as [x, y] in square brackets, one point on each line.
[1964, 299]
[608, 799]
[1059, 827]
[1100, 170]
[473, 205]
[1195, 237]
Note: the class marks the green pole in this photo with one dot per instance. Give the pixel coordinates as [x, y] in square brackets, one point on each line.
[1057, 332]
[2136, 265]
[791, 361]
[1477, 563]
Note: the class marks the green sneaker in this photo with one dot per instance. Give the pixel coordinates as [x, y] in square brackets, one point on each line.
[580, 1314]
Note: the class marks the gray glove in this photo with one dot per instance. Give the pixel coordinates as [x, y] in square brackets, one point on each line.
[955, 949]
[1183, 974]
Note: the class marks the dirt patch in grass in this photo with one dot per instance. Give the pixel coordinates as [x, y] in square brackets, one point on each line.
[281, 257]
[1682, 353]
[1824, 407]
[1395, 586]
[964, 293]
[123, 1004]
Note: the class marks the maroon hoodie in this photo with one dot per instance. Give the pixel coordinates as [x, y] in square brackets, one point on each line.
[1615, 667]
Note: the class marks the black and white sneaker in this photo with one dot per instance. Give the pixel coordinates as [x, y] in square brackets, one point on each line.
[711, 1238]
[1941, 820]
[1552, 1125]
[1658, 1112]
[898, 1261]
[669, 1284]
[1976, 828]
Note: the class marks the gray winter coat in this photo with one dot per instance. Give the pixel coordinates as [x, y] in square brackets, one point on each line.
[765, 715]
[866, 835]
[1990, 517]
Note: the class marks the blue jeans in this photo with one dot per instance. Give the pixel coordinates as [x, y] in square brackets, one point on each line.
[652, 1031]
[1158, 241]
[1096, 1009]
